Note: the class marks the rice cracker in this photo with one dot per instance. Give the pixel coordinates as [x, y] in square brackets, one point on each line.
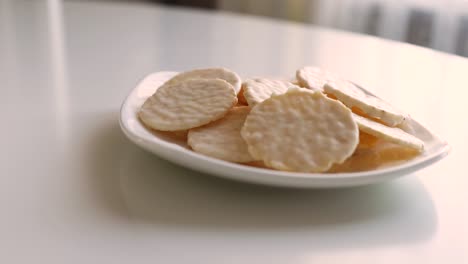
[209, 73]
[301, 131]
[350, 95]
[188, 104]
[222, 139]
[314, 78]
[390, 134]
[259, 89]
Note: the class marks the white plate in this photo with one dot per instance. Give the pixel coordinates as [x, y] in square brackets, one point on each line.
[178, 152]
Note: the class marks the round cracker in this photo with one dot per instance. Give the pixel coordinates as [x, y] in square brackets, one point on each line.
[301, 131]
[314, 78]
[390, 134]
[259, 89]
[209, 73]
[222, 139]
[188, 104]
[350, 95]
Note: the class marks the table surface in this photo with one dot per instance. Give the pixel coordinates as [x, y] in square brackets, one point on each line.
[74, 190]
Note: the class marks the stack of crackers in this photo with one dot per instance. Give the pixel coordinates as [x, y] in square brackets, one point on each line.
[317, 123]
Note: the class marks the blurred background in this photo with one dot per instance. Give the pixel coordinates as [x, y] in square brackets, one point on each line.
[436, 24]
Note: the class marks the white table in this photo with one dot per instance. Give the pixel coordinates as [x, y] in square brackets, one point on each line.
[73, 189]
